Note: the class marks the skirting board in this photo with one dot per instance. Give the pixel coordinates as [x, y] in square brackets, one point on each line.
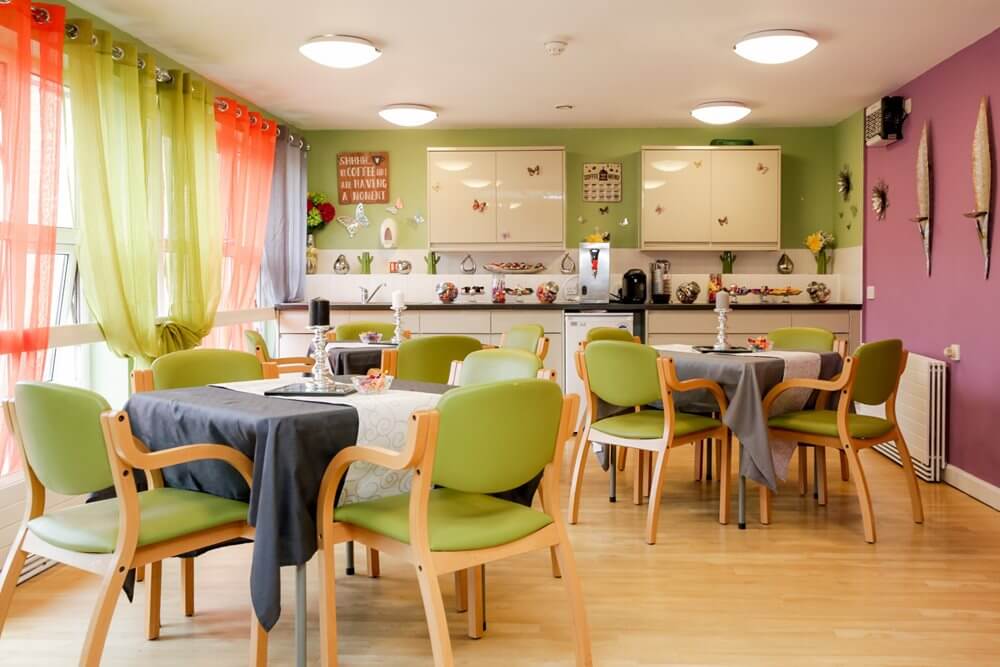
[971, 485]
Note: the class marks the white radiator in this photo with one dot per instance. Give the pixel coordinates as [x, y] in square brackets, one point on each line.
[922, 409]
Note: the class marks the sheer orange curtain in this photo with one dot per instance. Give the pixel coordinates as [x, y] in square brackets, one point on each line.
[245, 142]
[31, 61]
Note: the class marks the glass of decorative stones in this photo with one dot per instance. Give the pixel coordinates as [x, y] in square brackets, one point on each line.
[818, 292]
[447, 292]
[687, 293]
[498, 293]
[547, 292]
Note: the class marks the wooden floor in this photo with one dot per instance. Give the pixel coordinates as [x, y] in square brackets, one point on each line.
[806, 590]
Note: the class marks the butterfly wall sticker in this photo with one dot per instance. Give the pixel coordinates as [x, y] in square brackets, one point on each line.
[478, 206]
[762, 168]
[395, 208]
[353, 224]
[534, 171]
[604, 210]
[658, 209]
[418, 219]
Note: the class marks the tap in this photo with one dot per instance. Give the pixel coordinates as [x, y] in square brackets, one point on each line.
[367, 297]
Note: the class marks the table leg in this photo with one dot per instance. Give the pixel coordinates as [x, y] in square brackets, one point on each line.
[742, 493]
[350, 558]
[300, 615]
[613, 469]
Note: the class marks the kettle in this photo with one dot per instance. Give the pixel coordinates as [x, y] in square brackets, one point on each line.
[633, 286]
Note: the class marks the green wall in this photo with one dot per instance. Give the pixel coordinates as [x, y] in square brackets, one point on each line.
[849, 151]
[807, 168]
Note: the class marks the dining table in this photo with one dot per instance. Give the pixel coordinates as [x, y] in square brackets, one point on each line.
[291, 441]
[746, 378]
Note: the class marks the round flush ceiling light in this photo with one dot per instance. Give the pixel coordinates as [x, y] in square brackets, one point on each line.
[340, 51]
[408, 115]
[720, 112]
[772, 47]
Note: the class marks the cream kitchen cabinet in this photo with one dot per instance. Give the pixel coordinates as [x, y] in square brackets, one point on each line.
[499, 198]
[712, 197]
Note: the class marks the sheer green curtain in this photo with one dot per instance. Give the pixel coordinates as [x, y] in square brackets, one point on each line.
[147, 205]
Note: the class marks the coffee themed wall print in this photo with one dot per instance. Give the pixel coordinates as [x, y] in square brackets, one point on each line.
[363, 177]
[602, 181]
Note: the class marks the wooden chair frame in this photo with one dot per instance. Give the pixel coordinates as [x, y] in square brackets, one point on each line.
[419, 455]
[285, 364]
[125, 454]
[851, 446]
[660, 447]
[819, 454]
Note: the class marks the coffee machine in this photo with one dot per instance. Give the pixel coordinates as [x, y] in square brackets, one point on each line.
[660, 288]
[633, 286]
[595, 272]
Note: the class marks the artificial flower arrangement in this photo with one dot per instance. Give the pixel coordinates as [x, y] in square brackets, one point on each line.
[319, 210]
[819, 243]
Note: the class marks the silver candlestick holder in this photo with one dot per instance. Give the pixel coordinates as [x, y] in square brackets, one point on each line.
[721, 337]
[322, 376]
[397, 318]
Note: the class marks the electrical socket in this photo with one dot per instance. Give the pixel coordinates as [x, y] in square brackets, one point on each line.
[953, 352]
[870, 292]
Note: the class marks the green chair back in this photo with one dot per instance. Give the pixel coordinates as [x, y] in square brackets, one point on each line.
[487, 366]
[352, 330]
[254, 341]
[524, 337]
[622, 374]
[878, 371]
[495, 437]
[63, 442]
[609, 333]
[429, 359]
[196, 368]
[806, 339]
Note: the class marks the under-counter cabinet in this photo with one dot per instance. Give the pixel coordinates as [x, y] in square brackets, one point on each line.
[496, 197]
[711, 197]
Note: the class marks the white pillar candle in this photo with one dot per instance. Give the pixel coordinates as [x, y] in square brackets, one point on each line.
[722, 300]
[397, 299]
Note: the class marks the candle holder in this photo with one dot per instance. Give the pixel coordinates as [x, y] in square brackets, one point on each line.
[397, 318]
[721, 337]
[322, 376]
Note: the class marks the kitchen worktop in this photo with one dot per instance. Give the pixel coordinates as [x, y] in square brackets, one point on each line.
[576, 307]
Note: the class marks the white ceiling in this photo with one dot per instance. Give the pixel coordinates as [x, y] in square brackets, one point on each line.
[630, 63]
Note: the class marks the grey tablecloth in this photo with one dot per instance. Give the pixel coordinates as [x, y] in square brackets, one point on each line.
[354, 360]
[746, 380]
[290, 442]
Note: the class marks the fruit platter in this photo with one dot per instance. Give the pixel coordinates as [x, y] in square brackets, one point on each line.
[514, 267]
[375, 382]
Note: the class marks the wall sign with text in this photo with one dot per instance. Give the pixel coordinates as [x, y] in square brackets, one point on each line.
[602, 181]
[363, 178]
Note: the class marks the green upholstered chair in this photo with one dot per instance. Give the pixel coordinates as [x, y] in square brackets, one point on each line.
[628, 376]
[870, 377]
[73, 444]
[351, 331]
[464, 450]
[428, 359]
[611, 333]
[257, 346]
[497, 365]
[527, 337]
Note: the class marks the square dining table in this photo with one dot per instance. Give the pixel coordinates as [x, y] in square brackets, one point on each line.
[291, 442]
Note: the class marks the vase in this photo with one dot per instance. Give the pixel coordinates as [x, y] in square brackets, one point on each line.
[785, 264]
[312, 256]
[821, 262]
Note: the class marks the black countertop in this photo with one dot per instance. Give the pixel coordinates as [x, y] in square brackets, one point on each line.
[578, 307]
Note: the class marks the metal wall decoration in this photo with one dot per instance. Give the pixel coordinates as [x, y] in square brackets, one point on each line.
[604, 210]
[534, 171]
[981, 176]
[923, 218]
[880, 199]
[602, 182]
[844, 182]
[363, 177]
[353, 224]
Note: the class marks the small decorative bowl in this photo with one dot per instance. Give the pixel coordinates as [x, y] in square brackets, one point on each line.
[818, 292]
[370, 337]
[688, 292]
[547, 292]
[447, 292]
[372, 385]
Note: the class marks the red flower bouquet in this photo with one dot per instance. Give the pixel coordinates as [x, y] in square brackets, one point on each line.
[319, 211]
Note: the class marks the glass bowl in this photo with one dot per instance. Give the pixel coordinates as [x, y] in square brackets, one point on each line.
[370, 337]
[369, 385]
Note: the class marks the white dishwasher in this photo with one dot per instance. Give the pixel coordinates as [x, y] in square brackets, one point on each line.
[575, 327]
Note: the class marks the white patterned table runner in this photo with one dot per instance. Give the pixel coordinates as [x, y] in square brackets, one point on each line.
[383, 421]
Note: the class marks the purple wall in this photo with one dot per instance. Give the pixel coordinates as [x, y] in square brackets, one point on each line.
[955, 304]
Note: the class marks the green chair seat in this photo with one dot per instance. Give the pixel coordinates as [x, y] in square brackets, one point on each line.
[165, 514]
[648, 424]
[824, 422]
[457, 521]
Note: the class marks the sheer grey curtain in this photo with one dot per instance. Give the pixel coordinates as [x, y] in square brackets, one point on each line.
[283, 267]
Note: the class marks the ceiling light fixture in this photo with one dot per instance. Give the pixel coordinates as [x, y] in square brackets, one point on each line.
[340, 51]
[773, 47]
[720, 112]
[408, 115]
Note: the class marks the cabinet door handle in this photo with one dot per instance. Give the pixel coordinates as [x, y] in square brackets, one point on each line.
[723, 221]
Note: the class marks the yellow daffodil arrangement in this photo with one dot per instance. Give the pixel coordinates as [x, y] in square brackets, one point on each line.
[819, 244]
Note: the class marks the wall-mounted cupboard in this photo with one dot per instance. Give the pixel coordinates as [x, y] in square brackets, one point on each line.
[504, 198]
[711, 197]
